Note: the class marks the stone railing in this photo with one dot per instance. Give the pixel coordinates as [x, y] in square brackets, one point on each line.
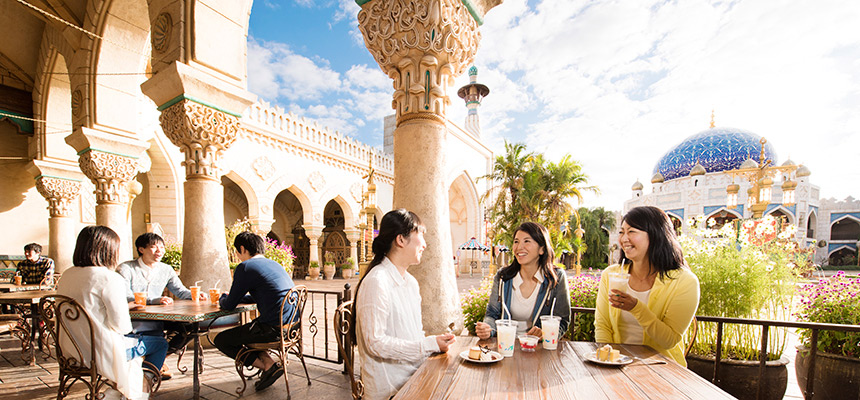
[298, 130]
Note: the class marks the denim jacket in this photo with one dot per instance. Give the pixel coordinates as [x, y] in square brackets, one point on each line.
[543, 304]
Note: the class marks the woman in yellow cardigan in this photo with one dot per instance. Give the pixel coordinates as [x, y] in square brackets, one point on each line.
[662, 293]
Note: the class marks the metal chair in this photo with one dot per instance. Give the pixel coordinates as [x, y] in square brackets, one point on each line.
[344, 325]
[694, 330]
[59, 313]
[291, 340]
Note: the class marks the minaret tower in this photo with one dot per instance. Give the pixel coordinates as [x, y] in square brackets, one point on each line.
[472, 94]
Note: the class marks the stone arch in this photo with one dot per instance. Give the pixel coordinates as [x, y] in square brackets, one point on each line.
[161, 186]
[845, 228]
[235, 201]
[781, 211]
[348, 213]
[723, 215]
[838, 255]
[288, 183]
[811, 223]
[464, 211]
[52, 92]
[252, 202]
[115, 100]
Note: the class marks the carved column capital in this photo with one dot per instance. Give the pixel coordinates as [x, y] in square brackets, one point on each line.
[202, 133]
[59, 192]
[110, 173]
[422, 45]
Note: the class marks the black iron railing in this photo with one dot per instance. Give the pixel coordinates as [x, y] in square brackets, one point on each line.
[319, 336]
[765, 324]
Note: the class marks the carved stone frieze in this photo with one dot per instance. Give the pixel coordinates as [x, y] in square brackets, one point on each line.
[264, 167]
[161, 31]
[316, 180]
[59, 192]
[202, 133]
[109, 173]
[423, 45]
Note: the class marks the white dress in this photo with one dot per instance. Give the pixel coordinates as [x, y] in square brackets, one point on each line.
[101, 292]
[391, 341]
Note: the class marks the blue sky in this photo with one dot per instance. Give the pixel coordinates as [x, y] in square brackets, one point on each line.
[614, 84]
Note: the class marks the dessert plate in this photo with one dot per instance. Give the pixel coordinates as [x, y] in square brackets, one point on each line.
[493, 354]
[623, 360]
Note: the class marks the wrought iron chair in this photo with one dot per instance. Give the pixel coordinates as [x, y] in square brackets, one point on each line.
[344, 326]
[291, 340]
[694, 330]
[59, 312]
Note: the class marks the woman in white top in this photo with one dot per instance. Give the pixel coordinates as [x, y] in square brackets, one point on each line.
[529, 286]
[93, 283]
[391, 341]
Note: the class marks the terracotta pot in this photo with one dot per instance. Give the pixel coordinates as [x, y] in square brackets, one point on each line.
[740, 378]
[329, 270]
[836, 376]
[347, 273]
[313, 273]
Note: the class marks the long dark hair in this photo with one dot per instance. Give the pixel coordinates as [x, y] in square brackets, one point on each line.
[96, 246]
[664, 251]
[540, 235]
[394, 223]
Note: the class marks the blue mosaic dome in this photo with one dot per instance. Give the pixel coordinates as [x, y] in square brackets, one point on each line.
[717, 149]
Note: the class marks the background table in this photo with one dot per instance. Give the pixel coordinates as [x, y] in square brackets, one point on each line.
[191, 312]
[35, 333]
[11, 287]
[554, 374]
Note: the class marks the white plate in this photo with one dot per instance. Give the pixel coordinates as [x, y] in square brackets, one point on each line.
[465, 355]
[624, 360]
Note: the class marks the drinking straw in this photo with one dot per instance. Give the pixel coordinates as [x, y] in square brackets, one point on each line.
[198, 282]
[216, 283]
[552, 309]
[502, 296]
[622, 265]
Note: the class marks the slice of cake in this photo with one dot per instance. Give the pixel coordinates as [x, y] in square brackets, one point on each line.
[475, 353]
[603, 352]
[614, 355]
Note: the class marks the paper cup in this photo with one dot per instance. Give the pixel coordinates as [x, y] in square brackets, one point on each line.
[214, 296]
[549, 326]
[195, 293]
[140, 298]
[618, 281]
[506, 334]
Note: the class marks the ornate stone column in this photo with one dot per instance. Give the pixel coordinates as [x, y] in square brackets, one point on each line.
[110, 161]
[314, 233]
[423, 45]
[353, 235]
[59, 184]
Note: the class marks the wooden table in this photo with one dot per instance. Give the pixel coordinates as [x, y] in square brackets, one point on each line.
[192, 313]
[558, 374]
[34, 334]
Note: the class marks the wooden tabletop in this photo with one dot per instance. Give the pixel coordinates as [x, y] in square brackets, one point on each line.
[187, 311]
[554, 374]
[27, 296]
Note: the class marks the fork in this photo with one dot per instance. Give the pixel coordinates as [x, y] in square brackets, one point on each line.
[644, 361]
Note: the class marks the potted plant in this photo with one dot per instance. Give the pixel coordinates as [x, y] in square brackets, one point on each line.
[314, 270]
[745, 270]
[347, 269]
[837, 362]
[329, 270]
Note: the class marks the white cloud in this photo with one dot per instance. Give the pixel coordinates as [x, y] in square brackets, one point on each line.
[274, 71]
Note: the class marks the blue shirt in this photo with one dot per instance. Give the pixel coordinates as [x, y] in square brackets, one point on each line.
[262, 281]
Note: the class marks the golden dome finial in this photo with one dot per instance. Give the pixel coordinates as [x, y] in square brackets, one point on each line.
[712, 118]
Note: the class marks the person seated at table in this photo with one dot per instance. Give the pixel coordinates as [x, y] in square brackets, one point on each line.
[34, 268]
[93, 283]
[530, 285]
[149, 275]
[662, 292]
[390, 336]
[260, 280]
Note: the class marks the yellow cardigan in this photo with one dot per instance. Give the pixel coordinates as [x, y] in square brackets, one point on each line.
[671, 306]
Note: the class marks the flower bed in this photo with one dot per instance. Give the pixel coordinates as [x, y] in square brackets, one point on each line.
[834, 300]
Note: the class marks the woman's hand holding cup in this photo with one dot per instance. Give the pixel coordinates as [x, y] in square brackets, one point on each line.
[444, 341]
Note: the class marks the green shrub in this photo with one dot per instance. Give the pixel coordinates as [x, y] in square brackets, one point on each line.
[474, 304]
[172, 254]
[583, 293]
[833, 301]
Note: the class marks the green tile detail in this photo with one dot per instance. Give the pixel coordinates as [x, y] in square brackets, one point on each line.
[105, 151]
[473, 11]
[361, 2]
[25, 125]
[181, 97]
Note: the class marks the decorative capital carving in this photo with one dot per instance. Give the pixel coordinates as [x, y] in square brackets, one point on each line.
[422, 45]
[202, 133]
[59, 192]
[109, 173]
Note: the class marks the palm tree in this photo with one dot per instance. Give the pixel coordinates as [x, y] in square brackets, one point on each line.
[597, 224]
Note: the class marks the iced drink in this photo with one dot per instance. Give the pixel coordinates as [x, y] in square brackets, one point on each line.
[214, 296]
[140, 298]
[506, 333]
[195, 293]
[18, 280]
[618, 281]
[549, 326]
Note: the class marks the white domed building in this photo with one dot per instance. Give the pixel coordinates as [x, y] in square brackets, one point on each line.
[702, 176]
